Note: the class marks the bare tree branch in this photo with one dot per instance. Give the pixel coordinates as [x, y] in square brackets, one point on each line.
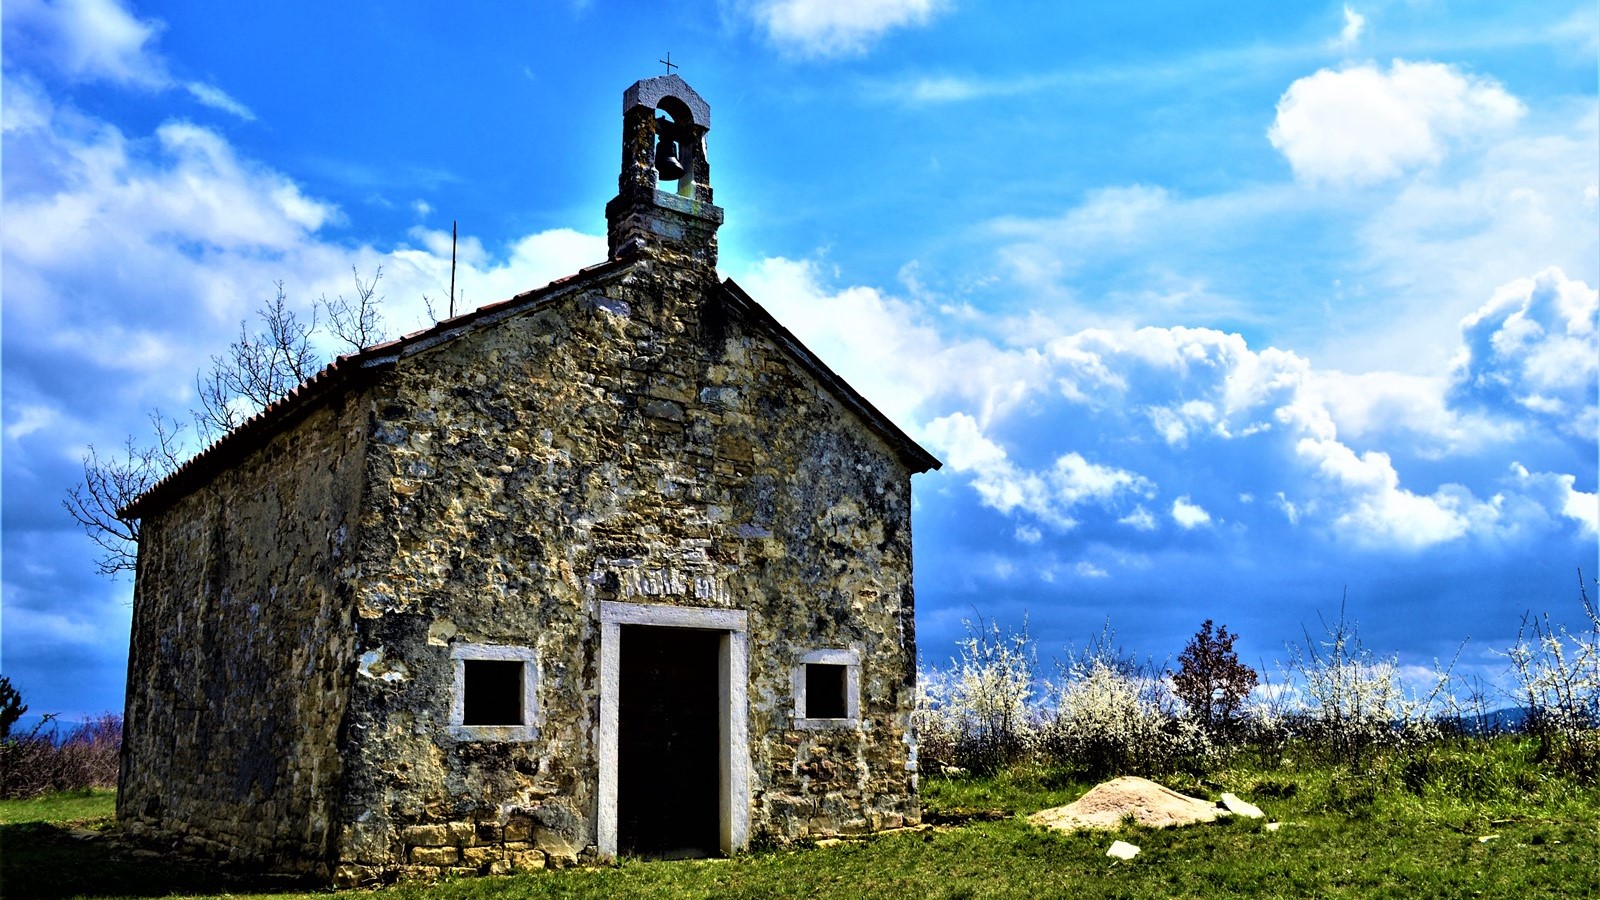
[110, 483]
[357, 323]
[257, 370]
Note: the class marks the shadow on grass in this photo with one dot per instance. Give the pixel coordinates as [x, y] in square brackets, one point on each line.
[52, 862]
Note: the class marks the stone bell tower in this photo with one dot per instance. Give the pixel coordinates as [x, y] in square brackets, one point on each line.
[664, 192]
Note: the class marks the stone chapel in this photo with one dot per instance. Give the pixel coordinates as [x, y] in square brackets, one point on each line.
[614, 566]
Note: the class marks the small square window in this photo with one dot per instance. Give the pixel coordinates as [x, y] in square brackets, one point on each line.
[496, 691]
[825, 687]
[827, 690]
[492, 693]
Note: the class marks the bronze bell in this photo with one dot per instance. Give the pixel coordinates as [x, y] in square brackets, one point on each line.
[669, 164]
[668, 168]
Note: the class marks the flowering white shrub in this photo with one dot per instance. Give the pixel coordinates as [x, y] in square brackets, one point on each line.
[1349, 702]
[977, 714]
[1110, 721]
[1557, 674]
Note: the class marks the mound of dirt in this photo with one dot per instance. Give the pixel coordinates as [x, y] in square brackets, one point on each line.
[1107, 804]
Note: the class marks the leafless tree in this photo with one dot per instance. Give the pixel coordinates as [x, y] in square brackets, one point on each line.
[357, 323]
[256, 371]
[111, 482]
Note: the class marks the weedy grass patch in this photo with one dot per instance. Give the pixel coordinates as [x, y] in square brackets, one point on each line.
[1475, 818]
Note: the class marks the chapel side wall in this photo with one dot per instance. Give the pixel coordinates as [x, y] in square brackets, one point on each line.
[492, 457]
[242, 652]
[822, 508]
[614, 445]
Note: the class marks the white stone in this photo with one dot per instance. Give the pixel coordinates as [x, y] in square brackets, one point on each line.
[1122, 850]
[1233, 804]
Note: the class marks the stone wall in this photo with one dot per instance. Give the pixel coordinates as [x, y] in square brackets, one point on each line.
[634, 439]
[242, 652]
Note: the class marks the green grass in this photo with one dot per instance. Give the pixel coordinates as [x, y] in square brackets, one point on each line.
[71, 806]
[1408, 828]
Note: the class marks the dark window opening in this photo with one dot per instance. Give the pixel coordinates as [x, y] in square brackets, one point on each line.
[825, 691]
[492, 693]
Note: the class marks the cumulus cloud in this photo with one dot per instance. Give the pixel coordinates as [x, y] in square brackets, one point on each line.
[831, 28]
[1361, 124]
[1188, 515]
[1051, 495]
[483, 276]
[894, 351]
[1121, 434]
[1533, 351]
[130, 257]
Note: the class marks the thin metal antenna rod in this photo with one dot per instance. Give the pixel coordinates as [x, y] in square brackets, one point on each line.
[452, 268]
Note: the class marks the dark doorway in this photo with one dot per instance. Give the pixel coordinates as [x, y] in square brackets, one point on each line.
[668, 742]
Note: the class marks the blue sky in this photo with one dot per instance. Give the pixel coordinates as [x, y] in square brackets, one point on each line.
[1212, 310]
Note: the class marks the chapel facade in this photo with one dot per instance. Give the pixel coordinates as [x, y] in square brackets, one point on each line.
[615, 566]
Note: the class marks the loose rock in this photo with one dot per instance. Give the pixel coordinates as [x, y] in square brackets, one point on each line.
[1122, 850]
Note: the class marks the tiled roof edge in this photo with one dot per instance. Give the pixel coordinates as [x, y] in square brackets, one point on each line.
[346, 371]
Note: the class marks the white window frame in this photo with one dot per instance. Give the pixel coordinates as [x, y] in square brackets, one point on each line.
[851, 660]
[460, 654]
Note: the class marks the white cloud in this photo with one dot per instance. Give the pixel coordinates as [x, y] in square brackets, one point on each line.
[138, 255]
[891, 350]
[1354, 25]
[1051, 495]
[1086, 569]
[1189, 515]
[483, 277]
[217, 98]
[832, 28]
[102, 40]
[92, 40]
[1375, 511]
[1533, 350]
[1361, 125]
[27, 418]
[1140, 519]
[1264, 421]
[1558, 494]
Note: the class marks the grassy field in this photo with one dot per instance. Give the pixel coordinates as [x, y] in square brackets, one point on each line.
[94, 805]
[1477, 820]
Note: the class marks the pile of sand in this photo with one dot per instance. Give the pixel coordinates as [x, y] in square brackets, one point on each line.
[1107, 804]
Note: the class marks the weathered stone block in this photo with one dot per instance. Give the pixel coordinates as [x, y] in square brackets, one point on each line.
[527, 860]
[427, 835]
[518, 828]
[434, 856]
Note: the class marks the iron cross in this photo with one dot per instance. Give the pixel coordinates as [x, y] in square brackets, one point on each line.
[668, 62]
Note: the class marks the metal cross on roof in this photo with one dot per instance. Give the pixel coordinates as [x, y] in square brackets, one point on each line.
[668, 62]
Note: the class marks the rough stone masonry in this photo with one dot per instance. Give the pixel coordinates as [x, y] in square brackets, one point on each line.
[394, 625]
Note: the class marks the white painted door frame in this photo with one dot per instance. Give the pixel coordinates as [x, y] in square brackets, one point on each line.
[733, 674]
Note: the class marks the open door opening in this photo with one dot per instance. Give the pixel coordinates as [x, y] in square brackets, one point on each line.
[668, 744]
